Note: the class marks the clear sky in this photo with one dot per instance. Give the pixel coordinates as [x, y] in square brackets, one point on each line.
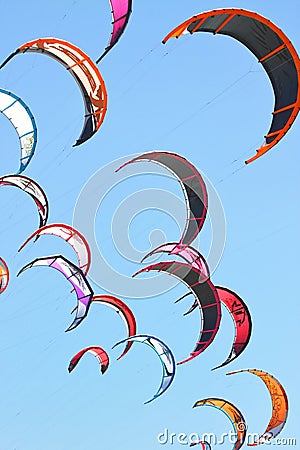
[206, 98]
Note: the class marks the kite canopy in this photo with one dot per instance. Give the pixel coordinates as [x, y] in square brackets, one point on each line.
[33, 189]
[124, 311]
[188, 253]
[234, 415]
[23, 121]
[279, 405]
[166, 358]
[85, 72]
[206, 296]
[274, 51]
[193, 187]
[70, 235]
[4, 275]
[98, 352]
[121, 10]
[75, 276]
[241, 317]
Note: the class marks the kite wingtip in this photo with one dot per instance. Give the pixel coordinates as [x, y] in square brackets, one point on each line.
[21, 270]
[144, 257]
[149, 401]
[183, 361]
[138, 272]
[121, 356]
[73, 325]
[115, 345]
[121, 167]
[261, 151]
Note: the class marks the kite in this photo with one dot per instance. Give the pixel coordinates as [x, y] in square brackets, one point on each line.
[121, 10]
[240, 315]
[124, 311]
[242, 321]
[188, 253]
[279, 405]
[4, 275]
[166, 358]
[70, 235]
[98, 352]
[274, 51]
[206, 295]
[232, 413]
[193, 187]
[84, 71]
[75, 276]
[23, 121]
[33, 189]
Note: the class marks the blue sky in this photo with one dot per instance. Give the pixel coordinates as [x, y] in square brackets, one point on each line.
[207, 99]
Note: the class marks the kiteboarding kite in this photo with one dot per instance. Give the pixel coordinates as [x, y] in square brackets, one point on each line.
[75, 276]
[193, 187]
[274, 51]
[240, 315]
[242, 321]
[279, 405]
[206, 296]
[23, 121]
[4, 275]
[234, 415]
[98, 352]
[70, 235]
[124, 311]
[166, 358]
[33, 189]
[121, 10]
[83, 70]
[188, 253]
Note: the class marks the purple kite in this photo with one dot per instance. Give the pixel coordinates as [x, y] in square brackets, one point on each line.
[75, 276]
